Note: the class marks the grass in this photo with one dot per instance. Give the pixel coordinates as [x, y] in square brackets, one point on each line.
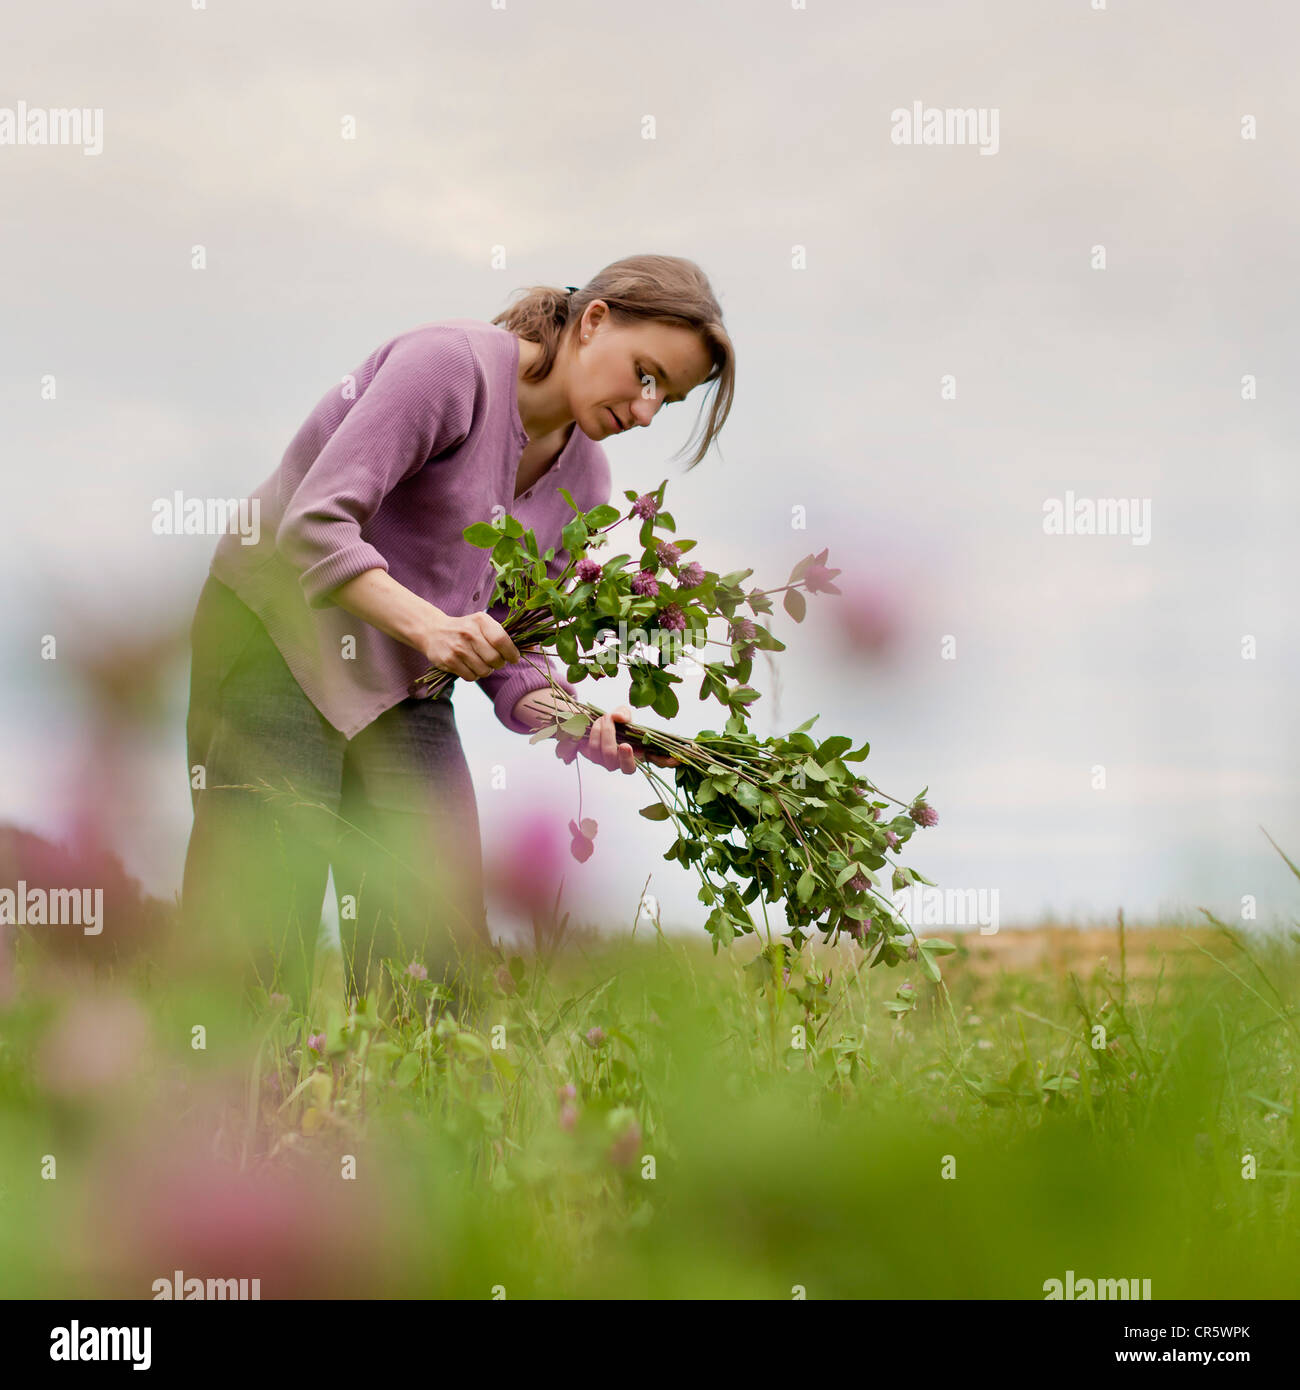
[847, 1133]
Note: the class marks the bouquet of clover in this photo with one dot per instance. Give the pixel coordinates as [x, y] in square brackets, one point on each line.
[767, 820]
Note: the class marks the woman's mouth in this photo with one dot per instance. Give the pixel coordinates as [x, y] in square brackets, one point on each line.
[617, 423]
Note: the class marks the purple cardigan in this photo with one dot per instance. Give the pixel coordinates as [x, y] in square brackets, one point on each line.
[422, 439]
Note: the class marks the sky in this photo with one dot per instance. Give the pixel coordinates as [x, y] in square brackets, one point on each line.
[933, 342]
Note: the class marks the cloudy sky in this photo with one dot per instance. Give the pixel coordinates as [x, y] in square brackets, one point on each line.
[857, 276]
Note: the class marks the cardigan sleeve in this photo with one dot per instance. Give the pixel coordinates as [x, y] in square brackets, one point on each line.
[419, 402]
[507, 685]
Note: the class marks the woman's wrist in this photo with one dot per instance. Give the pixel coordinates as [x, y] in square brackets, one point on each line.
[377, 598]
[539, 707]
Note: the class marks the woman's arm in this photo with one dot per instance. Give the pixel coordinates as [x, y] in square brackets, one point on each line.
[468, 647]
[472, 647]
[540, 707]
[419, 403]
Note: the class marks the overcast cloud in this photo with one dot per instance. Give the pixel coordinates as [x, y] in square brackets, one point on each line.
[521, 127]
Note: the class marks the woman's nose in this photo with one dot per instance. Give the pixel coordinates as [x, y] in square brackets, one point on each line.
[644, 411]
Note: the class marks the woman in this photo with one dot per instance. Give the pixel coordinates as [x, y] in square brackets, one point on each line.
[308, 741]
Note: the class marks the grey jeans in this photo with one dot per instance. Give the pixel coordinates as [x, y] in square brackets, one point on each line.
[282, 795]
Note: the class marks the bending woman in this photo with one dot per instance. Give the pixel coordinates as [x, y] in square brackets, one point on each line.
[308, 741]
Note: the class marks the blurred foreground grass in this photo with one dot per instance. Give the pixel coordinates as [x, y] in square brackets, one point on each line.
[728, 1134]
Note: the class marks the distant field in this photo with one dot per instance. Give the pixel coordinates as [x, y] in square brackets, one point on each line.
[1059, 949]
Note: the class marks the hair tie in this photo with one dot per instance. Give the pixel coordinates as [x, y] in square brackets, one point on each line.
[572, 289]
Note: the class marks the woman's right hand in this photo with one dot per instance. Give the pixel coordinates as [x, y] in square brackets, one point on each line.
[470, 647]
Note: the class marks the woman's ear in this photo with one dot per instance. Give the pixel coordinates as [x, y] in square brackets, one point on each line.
[593, 316]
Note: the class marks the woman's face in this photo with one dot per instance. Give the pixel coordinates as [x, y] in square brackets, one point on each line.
[622, 375]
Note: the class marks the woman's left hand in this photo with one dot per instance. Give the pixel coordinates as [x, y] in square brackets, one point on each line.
[601, 745]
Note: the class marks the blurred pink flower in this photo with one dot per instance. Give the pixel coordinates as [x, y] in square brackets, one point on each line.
[417, 971]
[566, 748]
[870, 617]
[97, 1042]
[170, 1203]
[584, 839]
[817, 577]
[741, 631]
[527, 862]
[626, 1149]
[595, 1037]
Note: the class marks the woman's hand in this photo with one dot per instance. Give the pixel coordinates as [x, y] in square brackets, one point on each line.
[600, 742]
[470, 647]
[601, 745]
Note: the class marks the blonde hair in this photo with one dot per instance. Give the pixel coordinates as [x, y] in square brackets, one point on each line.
[667, 288]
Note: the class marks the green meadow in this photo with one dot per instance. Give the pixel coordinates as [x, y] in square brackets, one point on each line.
[646, 1119]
